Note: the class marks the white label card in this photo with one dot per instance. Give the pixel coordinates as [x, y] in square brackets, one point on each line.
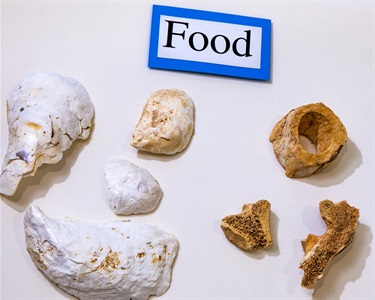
[209, 42]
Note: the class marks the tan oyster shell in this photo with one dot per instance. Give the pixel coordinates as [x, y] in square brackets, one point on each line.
[167, 123]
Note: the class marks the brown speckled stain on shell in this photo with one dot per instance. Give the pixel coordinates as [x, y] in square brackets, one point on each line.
[111, 261]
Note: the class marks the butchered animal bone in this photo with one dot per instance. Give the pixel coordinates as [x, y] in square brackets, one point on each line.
[167, 123]
[321, 126]
[117, 260]
[129, 188]
[341, 220]
[46, 113]
[250, 229]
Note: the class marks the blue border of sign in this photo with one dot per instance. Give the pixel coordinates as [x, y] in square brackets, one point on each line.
[202, 67]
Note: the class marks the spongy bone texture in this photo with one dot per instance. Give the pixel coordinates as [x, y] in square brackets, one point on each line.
[341, 220]
[250, 229]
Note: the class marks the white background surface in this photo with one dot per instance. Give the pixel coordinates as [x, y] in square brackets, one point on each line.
[321, 51]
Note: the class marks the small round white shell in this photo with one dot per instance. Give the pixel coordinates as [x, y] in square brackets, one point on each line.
[130, 189]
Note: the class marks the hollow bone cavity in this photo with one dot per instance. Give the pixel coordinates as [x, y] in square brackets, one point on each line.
[118, 260]
[167, 123]
[250, 229]
[46, 113]
[341, 220]
[130, 189]
[321, 126]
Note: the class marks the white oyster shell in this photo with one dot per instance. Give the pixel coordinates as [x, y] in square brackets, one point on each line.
[46, 113]
[130, 189]
[117, 260]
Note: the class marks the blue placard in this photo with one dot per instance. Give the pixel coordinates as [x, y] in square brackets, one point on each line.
[210, 42]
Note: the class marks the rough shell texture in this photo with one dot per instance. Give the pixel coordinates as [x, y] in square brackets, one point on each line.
[46, 113]
[321, 126]
[250, 229]
[341, 220]
[167, 123]
[118, 260]
[130, 189]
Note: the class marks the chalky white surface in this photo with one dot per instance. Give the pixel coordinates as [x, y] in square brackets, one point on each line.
[130, 189]
[46, 113]
[115, 260]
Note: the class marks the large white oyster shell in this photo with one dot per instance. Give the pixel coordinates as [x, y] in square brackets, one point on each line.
[117, 260]
[130, 189]
[46, 113]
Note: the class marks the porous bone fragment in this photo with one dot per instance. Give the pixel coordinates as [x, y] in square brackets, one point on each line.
[318, 124]
[130, 189]
[167, 123]
[341, 220]
[115, 260]
[250, 229]
[46, 113]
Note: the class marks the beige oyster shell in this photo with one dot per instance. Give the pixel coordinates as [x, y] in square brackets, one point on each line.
[341, 220]
[167, 123]
[115, 260]
[317, 123]
[130, 189]
[250, 229]
[46, 113]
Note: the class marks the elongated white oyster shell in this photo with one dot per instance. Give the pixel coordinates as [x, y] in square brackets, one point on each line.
[117, 260]
[129, 188]
[46, 113]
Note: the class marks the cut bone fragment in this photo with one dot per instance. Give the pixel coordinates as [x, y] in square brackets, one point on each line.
[130, 189]
[117, 260]
[250, 229]
[167, 123]
[341, 220]
[317, 123]
[46, 113]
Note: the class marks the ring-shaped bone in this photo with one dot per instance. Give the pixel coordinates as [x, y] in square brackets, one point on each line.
[321, 126]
